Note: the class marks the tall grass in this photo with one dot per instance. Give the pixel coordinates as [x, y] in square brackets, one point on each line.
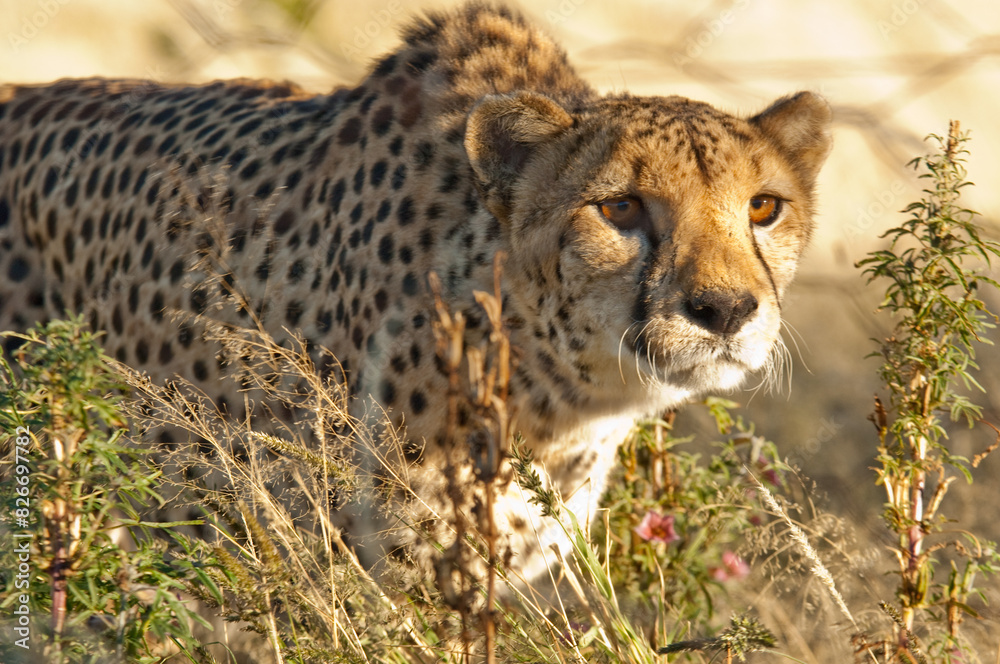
[685, 562]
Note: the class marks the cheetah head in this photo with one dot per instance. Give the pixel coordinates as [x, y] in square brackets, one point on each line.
[650, 240]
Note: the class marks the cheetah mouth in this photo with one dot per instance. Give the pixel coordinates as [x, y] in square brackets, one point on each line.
[702, 363]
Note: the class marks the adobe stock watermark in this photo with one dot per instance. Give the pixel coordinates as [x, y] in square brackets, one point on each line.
[379, 20]
[829, 428]
[899, 16]
[34, 21]
[22, 537]
[563, 11]
[224, 8]
[887, 200]
[711, 30]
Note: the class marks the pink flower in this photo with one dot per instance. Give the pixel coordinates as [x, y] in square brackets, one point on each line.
[771, 474]
[957, 656]
[656, 528]
[733, 567]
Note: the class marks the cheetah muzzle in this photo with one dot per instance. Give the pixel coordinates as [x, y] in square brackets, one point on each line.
[649, 240]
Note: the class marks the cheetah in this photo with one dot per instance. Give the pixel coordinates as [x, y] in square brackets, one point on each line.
[648, 241]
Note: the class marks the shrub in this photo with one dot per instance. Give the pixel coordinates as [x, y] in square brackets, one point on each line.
[73, 490]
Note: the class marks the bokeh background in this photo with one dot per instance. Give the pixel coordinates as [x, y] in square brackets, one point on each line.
[893, 70]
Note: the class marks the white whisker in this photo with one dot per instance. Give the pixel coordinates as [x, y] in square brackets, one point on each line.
[779, 362]
[621, 342]
[638, 371]
[792, 333]
[644, 380]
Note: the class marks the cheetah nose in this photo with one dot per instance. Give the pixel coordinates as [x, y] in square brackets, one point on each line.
[720, 311]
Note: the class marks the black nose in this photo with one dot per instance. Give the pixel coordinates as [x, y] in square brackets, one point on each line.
[720, 311]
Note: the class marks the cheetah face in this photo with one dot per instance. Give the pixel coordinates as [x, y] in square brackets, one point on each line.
[651, 239]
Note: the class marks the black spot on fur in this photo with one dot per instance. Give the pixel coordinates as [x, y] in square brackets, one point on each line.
[386, 249]
[293, 313]
[47, 145]
[367, 102]
[405, 213]
[185, 335]
[4, 212]
[203, 106]
[385, 66]
[140, 181]
[319, 154]
[249, 127]
[69, 139]
[116, 320]
[163, 116]
[250, 170]
[263, 269]
[337, 195]
[387, 393]
[29, 149]
[410, 284]
[124, 179]
[15, 152]
[356, 213]
[166, 353]
[51, 179]
[91, 187]
[119, 148]
[382, 120]
[199, 370]
[69, 246]
[18, 269]
[133, 297]
[293, 180]
[167, 146]
[236, 158]
[71, 192]
[102, 145]
[399, 177]
[378, 172]
[51, 224]
[156, 306]
[215, 138]
[384, 208]
[143, 145]
[421, 61]
[199, 301]
[176, 272]
[109, 184]
[359, 179]
[264, 190]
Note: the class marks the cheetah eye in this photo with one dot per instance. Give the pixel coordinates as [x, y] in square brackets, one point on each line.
[764, 210]
[625, 213]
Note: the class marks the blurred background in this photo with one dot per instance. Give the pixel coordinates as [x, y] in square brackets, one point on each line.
[893, 70]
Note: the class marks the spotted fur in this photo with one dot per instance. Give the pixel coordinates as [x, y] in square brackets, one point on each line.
[474, 137]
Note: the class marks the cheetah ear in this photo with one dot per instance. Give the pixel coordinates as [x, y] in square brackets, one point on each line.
[502, 133]
[800, 124]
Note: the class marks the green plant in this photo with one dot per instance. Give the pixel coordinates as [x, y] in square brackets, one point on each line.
[71, 484]
[933, 276]
[677, 519]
